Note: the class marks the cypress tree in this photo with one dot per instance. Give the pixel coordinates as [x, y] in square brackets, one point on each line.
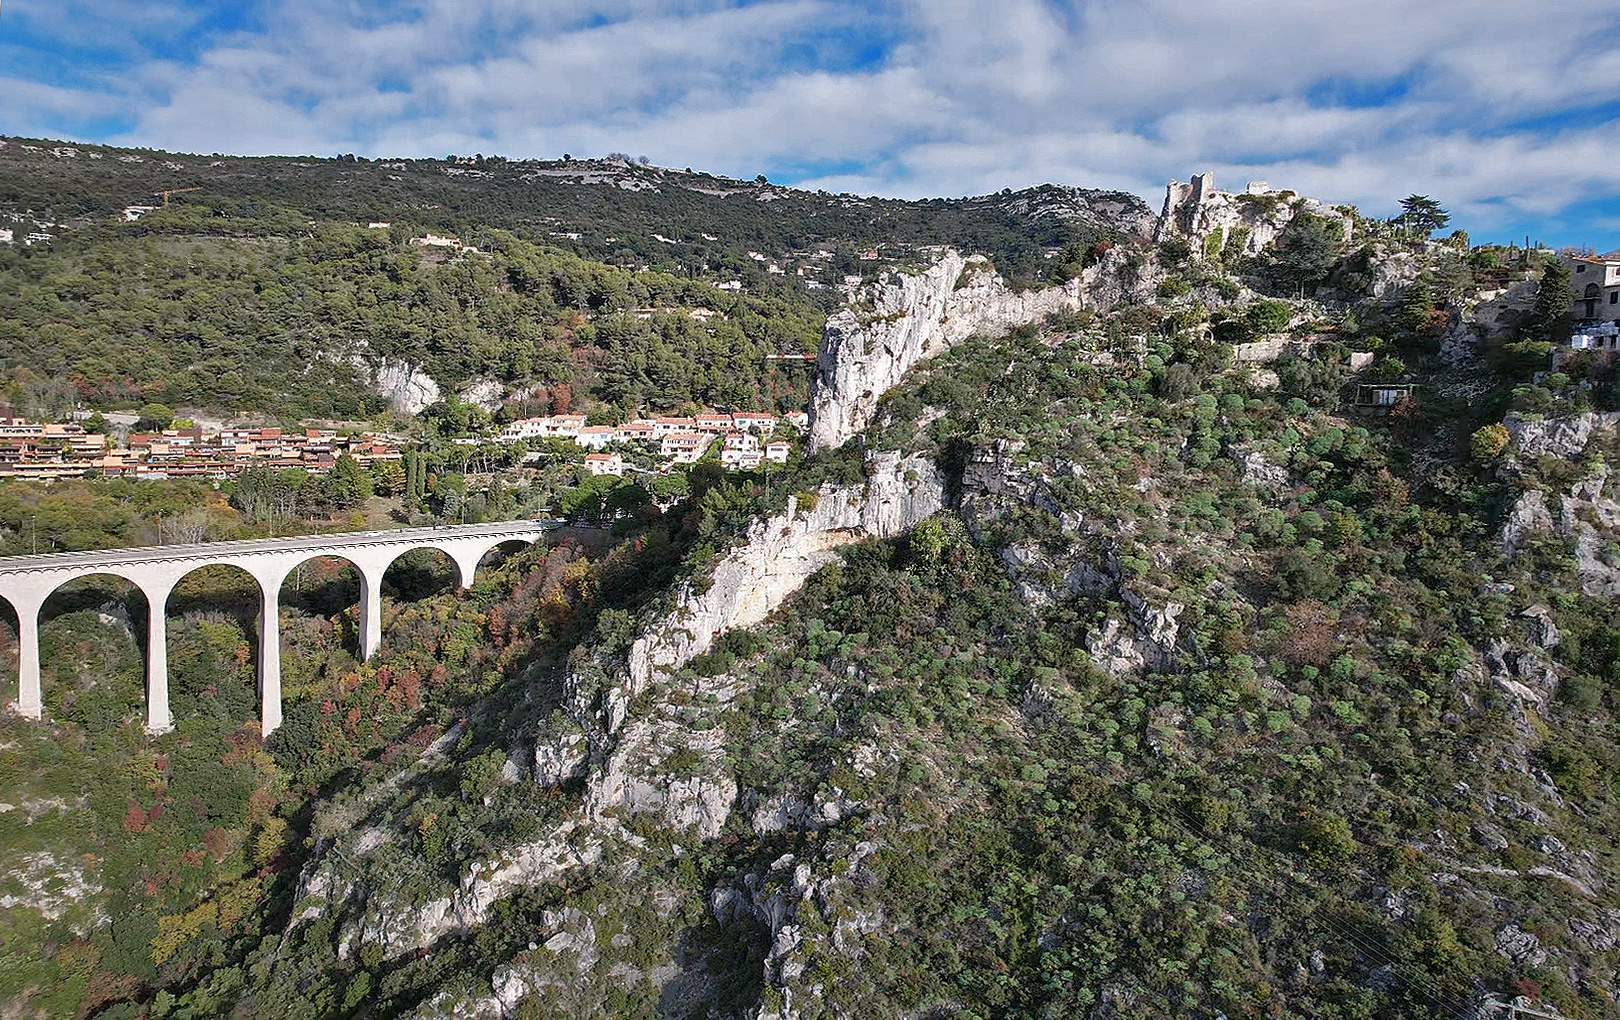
[1550, 319]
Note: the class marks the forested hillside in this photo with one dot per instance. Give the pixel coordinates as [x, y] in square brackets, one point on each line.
[298, 324]
[1234, 641]
[258, 288]
[619, 208]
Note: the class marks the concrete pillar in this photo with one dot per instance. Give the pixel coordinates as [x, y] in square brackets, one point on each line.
[158, 718]
[29, 702]
[467, 556]
[370, 610]
[269, 658]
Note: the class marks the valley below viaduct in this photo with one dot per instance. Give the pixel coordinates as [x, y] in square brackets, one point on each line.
[26, 582]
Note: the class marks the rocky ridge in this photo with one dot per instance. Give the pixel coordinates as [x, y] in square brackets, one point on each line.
[627, 761]
[1114, 210]
[779, 556]
[907, 317]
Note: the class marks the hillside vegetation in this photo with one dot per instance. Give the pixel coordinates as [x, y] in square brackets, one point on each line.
[1212, 690]
[297, 326]
[259, 289]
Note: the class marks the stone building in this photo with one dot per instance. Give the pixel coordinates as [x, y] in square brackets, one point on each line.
[1595, 279]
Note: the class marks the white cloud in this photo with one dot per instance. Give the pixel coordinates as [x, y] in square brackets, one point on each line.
[1356, 100]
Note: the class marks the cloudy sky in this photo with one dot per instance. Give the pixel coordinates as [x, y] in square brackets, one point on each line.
[1507, 111]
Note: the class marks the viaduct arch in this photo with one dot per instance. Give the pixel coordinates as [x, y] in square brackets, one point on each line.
[27, 581]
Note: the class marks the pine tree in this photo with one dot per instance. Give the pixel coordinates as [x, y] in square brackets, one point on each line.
[1423, 215]
[1416, 304]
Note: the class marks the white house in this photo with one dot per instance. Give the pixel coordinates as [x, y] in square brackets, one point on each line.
[798, 419]
[665, 426]
[523, 428]
[741, 451]
[604, 464]
[565, 424]
[777, 452]
[685, 447]
[764, 424]
[594, 437]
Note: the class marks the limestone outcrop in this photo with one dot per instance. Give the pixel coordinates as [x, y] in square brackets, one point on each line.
[779, 555]
[484, 393]
[868, 346]
[1248, 223]
[1585, 515]
[1558, 437]
[406, 387]
[637, 778]
[1000, 475]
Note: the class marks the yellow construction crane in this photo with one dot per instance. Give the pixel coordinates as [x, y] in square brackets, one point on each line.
[166, 192]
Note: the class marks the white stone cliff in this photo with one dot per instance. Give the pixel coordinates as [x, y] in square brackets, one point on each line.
[779, 556]
[868, 346]
[406, 387]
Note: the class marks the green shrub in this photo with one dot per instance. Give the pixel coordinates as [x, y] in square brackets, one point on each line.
[1324, 839]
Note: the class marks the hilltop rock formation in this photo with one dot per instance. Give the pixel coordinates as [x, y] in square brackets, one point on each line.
[1246, 223]
[869, 345]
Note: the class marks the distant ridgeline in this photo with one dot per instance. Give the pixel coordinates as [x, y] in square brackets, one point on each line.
[292, 285]
[610, 209]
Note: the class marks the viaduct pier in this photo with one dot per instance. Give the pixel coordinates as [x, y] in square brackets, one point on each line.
[27, 581]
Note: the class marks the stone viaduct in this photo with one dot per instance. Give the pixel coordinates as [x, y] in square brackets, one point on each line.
[27, 581]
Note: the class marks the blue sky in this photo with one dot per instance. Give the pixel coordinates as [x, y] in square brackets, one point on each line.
[1507, 111]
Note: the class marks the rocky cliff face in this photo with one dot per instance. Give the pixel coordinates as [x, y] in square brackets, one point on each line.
[657, 763]
[1585, 514]
[868, 346]
[407, 388]
[1250, 221]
